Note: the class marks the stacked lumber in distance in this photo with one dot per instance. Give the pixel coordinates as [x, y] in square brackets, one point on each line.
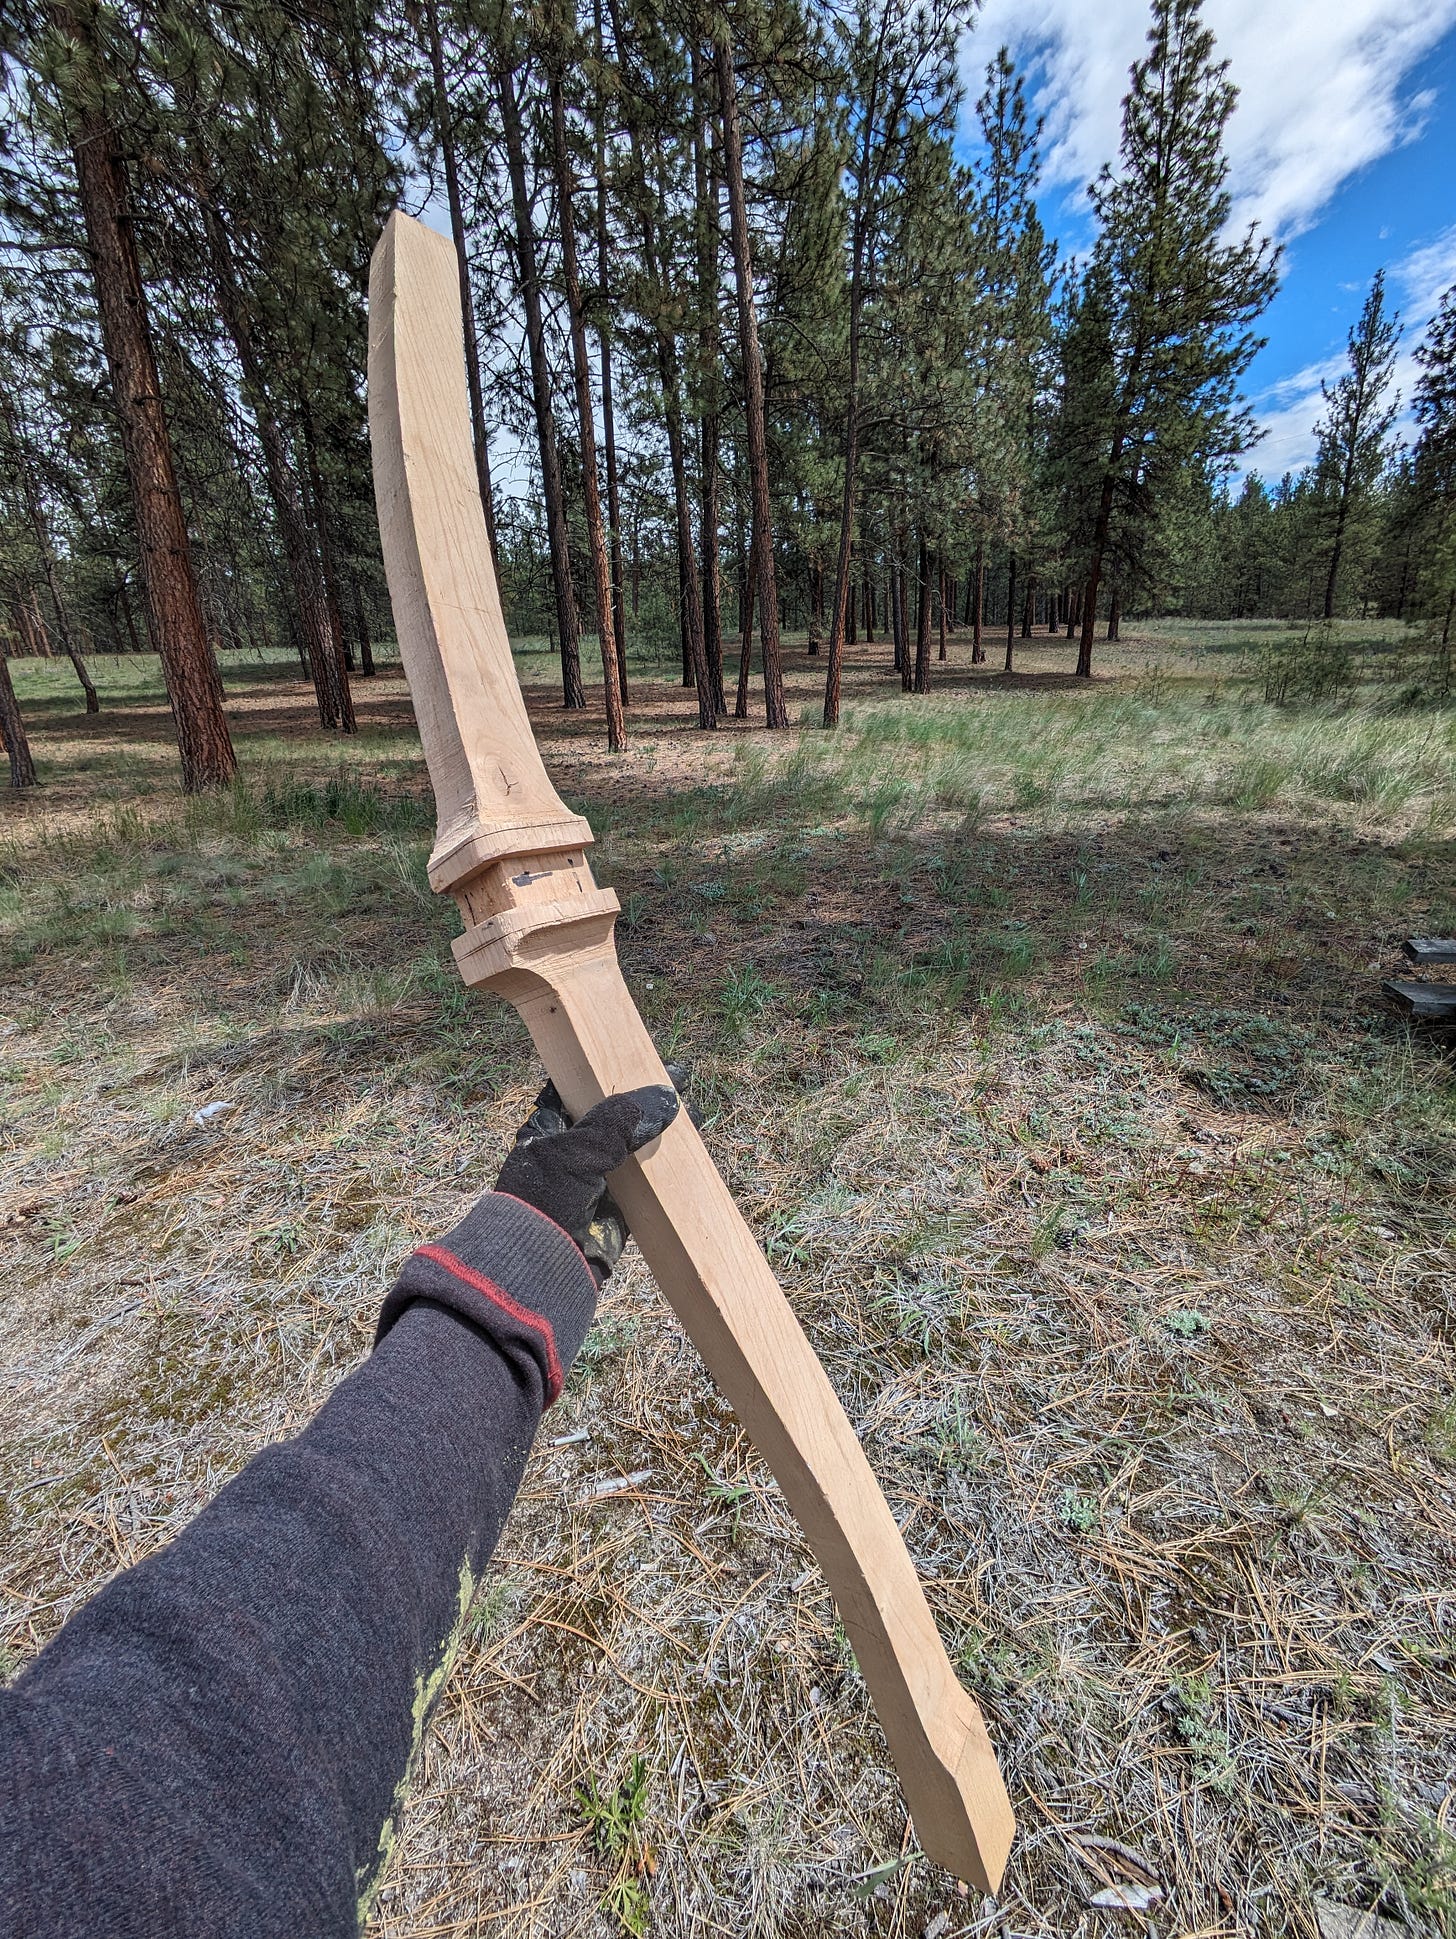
[1422, 1002]
[1428, 951]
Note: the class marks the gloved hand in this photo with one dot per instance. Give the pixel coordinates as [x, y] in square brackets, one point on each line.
[561, 1168]
[525, 1263]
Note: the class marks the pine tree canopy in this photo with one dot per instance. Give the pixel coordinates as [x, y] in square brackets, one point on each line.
[797, 365]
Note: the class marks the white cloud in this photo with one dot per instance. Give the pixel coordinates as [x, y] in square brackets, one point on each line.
[1319, 98]
[1289, 410]
[1419, 283]
[1289, 440]
[1319, 86]
[1287, 413]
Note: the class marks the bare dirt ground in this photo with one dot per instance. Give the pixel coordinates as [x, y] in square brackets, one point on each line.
[1037, 1030]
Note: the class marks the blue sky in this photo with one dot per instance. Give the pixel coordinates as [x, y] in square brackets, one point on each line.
[1343, 145]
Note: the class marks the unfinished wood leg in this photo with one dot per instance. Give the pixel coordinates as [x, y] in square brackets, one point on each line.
[709, 1267]
[539, 931]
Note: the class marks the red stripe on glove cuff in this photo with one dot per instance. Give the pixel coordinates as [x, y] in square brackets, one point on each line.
[458, 1269]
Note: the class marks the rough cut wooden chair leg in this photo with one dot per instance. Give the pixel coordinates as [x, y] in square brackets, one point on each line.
[539, 932]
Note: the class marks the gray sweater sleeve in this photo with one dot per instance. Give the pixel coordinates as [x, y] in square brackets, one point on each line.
[219, 1742]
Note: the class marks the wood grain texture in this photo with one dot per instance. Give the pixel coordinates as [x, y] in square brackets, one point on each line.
[539, 932]
[492, 794]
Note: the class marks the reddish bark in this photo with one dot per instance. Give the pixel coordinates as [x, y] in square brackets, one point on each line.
[586, 427]
[445, 128]
[776, 710]
[12, 729]
[173, 608]
[922, 622]
[553, 490]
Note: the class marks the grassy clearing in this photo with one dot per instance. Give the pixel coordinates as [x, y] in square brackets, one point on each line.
[1037, 1033]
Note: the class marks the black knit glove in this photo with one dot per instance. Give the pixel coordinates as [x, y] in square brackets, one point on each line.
[561, 1168]
[525, 1263]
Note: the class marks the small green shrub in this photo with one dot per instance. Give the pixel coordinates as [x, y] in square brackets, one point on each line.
[1315, 663]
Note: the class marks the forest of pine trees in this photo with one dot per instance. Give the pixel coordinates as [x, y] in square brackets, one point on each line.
[782, 362]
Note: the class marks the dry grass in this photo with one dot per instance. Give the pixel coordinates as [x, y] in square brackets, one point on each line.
[1037, 1033]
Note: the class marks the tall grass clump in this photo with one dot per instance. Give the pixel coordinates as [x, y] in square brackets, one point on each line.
[341, 799]
[1315, 662]
[1119, 751]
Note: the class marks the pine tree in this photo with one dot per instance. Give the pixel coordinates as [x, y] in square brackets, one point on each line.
[1178, 298]
[1434, 403]
[1434, 470]
[1011, 331]
[91, 90]
[1352, 434]
[513, 79]
[20, 462]
[330, 679]
[751, 366]
[656, 85]
[921, 386]
[250, 109]
[444, 126]
[559, 55]
[603, 298]
[898, 67]
[707, 380]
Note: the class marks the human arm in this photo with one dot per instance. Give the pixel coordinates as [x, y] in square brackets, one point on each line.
[218, 1743]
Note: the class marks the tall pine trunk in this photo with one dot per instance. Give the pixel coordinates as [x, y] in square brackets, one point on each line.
[859, 247]
[173, 607]
[903, 659]
[12, 728]
[361, 629]
[333, 607]
[445, 130]
[40, 529]
[554, 492]
[1011, 613]
[670, 381]
[776, 711]
[669, 378]
[310, 597]
[609, 452]
[745, 632]
[1102, 533]
[586, 426]
[922, 622]
[705, 183]
[604, 356]
[978, 608]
